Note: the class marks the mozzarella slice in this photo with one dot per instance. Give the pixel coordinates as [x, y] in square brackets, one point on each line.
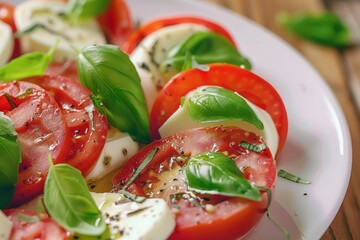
[119, 147]
[269, 133]
[6, 43]
[153, 50]
[151, 219]
[72, 36]
[6, 226]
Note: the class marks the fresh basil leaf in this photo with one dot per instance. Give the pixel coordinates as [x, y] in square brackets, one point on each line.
[86, 8]
[113, 79]
[27, 65]
[67, 199]
[26, 218]
[323, 28]
[214, 104]
[291, 177]
[215, 173]
[205, 47]
[10, 158]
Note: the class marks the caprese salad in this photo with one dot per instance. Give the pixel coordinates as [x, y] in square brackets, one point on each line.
[108, 131]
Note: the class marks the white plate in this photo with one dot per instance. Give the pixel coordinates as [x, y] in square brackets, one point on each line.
[318, 146]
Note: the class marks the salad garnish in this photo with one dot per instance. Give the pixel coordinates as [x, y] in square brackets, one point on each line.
[253, 147]
[27, 65]
[113, 79]
[68, 201]
[215, 104]
[10, 159]
[215, 173]
[86, 8]
[206, 47]
[291, 177]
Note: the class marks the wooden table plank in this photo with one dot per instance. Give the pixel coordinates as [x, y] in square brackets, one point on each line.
[337, 69]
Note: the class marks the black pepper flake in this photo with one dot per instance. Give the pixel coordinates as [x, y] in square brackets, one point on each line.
[92, 186]
[305, 194]
[145, 66]
[27, 124]
[124, 151]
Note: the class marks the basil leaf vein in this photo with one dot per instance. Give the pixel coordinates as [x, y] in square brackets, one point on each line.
[113, 79]
[215, 173]
[10, 158]
[214, 104]
[68, 201]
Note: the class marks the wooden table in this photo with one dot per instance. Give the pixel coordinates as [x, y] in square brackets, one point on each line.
[341, 70]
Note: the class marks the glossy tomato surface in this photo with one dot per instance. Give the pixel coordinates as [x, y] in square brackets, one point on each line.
[41, 129]
[247, 84]
[117, 22]
[143, 31]
[163, 177]
[86, 125]
[41, 229]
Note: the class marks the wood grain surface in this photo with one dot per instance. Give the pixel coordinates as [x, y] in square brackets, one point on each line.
[341, 70]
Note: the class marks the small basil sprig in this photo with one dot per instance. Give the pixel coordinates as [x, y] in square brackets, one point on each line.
[323, 28]
[68, 201]
[206, 47]
[27, 65]
[10, 158]
[215, 173]
[113, 79]
[214, 104]
[86, 8]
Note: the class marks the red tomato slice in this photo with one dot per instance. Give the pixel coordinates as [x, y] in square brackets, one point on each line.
[233, 217]
[41, 131]
[242, 81]
[67, 69]
[44, 229]
[116, 22]
[139, 34]
[7, 16]
[88, 128]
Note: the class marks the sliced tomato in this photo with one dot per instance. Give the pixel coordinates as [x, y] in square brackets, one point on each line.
[247, 84]
[7, 16]
[41, 131]
[233, 217]
[139, 34]
[87, 127]
[116, 22]
[67, 69]
[41, 229]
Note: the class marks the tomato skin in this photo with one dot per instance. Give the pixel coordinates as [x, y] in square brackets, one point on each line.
[7, 16]
[41, 131]
[116, 22]
[252, 87]
[233, 216]
[44, 229]
[66, 69]
[139, 34]
[86, 144]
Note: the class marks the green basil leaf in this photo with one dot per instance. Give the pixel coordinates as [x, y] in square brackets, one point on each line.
[323, 28]
[67, 199]
[86, 8]
[113, 79]
[206, 47]
[10, 158]
[214, 104]
[215, 173]
[27, 65]
[190, 63]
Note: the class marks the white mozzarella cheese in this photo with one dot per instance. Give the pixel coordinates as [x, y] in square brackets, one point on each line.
[269, 133]
[153, 50]
[6, 43]
[6, 226]
[152, 219]
[72, 37]
[119, 147]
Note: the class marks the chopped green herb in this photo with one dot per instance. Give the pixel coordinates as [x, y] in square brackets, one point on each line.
[253, 147]
[289, 176]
